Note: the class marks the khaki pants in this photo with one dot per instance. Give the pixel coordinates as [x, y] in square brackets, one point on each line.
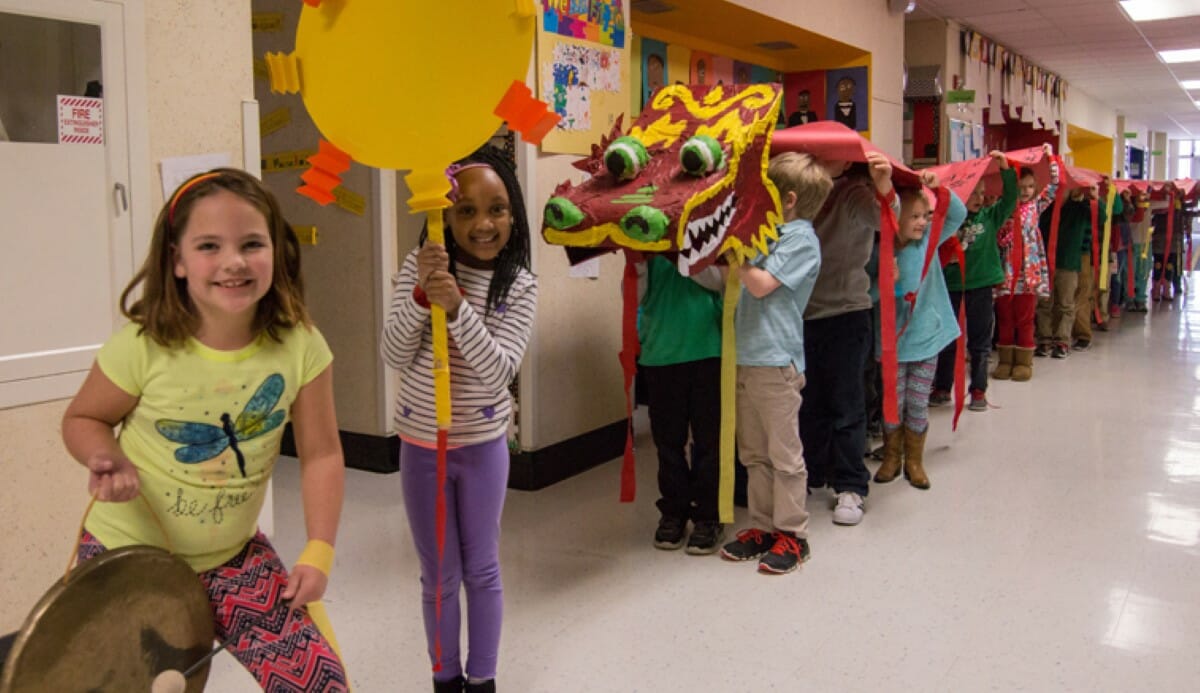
[768, 408]
[1055, 314]
[1085, 300]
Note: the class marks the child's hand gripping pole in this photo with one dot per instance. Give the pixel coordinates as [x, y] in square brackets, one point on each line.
[429, 190]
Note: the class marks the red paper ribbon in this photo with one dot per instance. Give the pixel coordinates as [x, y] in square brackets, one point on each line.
[888, 226]
[629, 353]
[960, 345]
[1055, 217]
[1162, 277]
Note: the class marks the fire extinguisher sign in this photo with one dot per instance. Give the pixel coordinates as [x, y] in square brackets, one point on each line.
[80, 120]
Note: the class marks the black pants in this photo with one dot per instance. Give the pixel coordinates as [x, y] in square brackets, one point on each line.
[683, 397]
[833, 419]
[980, 314]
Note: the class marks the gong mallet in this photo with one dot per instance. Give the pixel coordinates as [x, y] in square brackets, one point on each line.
[174, 681]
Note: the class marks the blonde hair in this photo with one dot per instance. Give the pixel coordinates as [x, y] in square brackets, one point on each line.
[164, 310]
[800, 174]
[908, 198]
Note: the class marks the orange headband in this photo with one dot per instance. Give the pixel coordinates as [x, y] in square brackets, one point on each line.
[184, 188]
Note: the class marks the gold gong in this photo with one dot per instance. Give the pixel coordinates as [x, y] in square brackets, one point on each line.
[119, 619]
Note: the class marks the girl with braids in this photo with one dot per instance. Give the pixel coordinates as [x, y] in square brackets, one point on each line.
[481, 278]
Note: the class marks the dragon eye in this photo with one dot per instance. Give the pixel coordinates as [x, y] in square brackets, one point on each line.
[626, 157]
[645, 223]
[701, 155]
[562, 214]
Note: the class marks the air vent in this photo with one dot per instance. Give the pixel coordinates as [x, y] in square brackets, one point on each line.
[924, 82]
[652, 6]
[777, 45]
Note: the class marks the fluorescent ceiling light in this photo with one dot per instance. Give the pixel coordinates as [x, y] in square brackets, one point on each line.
[1188, 55]
[1190, 84]
[1150, 10]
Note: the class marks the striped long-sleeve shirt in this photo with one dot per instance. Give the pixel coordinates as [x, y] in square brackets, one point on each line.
[485, 354]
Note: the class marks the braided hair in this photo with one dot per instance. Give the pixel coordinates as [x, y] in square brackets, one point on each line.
[514, 256]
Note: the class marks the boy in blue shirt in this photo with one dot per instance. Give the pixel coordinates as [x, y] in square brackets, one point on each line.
[770, 372]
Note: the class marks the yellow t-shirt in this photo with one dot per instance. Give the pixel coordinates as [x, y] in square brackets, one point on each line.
[204, 435]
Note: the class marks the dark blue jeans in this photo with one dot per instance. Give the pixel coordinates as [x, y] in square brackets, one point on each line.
[980, 314]
[687, 397]
[833, 418]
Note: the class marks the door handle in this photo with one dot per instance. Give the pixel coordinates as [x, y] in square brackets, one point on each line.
[120, 197]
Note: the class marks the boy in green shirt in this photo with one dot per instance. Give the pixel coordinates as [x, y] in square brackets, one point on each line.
[681, 360]
[983, 271]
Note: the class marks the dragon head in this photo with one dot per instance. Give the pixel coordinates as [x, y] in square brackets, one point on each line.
[689, 179]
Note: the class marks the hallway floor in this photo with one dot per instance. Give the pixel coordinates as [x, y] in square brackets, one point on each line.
[1059, 549]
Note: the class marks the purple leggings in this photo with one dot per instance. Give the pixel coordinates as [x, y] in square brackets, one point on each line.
[476, 480]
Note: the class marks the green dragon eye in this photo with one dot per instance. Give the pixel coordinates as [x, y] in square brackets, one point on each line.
[626, 157]
[645, 223]
[701, 155]
[562, 214]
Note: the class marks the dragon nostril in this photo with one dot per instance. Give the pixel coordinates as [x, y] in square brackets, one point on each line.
[645, 223]
[562, 214]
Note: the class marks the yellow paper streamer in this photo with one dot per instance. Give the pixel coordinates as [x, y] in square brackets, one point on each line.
[441, 344]
[733, 290]
[1108, 211]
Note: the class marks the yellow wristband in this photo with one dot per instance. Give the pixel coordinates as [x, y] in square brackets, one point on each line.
[318, 554]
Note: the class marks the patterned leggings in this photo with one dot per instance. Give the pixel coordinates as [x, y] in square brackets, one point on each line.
[914, 380]
[288, 653]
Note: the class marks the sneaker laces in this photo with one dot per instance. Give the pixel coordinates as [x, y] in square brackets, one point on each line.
[785, 544]
[748, 536]
[849, 500]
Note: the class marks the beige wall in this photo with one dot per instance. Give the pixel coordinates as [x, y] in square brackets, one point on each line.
[1085, 111]
[197, 72]
[925, 43]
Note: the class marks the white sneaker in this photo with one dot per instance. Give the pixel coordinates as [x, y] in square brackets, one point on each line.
[849, 509]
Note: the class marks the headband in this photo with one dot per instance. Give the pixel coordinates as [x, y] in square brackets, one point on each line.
[453, 170]
[184, 188]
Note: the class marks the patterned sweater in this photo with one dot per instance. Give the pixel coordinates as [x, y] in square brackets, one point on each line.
[485, 355]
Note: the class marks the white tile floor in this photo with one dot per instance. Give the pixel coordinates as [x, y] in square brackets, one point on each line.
[1059, 549]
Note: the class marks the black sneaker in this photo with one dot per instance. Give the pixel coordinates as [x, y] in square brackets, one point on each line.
[1060, 351]
[1042, 351]
[786, 555]
[706, 538]
[750, 544]
[669, 535]
[1081, 345]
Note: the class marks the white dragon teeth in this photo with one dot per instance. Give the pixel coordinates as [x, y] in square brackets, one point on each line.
[704, 235]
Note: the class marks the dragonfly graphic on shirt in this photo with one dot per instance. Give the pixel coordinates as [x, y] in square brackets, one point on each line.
[201, 441]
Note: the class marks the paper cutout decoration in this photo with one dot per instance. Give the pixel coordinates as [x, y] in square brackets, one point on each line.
[687, 180]
[410, 86]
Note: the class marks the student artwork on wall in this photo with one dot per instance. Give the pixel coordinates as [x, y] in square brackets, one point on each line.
[847, 100]
[598, 21]
[701, 68]
[585, 83]
[804, 97]
[722, 70]
[655, 73]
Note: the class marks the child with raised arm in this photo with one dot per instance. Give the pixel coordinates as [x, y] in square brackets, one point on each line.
[924, 325]
[218, 355]
[1026, 275]
[481, 278]
[770, 372]
[982, 273]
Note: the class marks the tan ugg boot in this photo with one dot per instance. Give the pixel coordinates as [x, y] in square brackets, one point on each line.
[1005, 367]
[914, 453]
[1022, 369]
[893, 455]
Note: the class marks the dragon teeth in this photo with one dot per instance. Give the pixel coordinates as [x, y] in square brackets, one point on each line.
[704, 235]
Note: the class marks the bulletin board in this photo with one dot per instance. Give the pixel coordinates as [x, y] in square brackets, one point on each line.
[582, 71]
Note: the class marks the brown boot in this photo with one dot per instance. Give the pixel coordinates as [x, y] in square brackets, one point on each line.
[1004, 367]
[893, 444]
[914, 452]
[1022, 369]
